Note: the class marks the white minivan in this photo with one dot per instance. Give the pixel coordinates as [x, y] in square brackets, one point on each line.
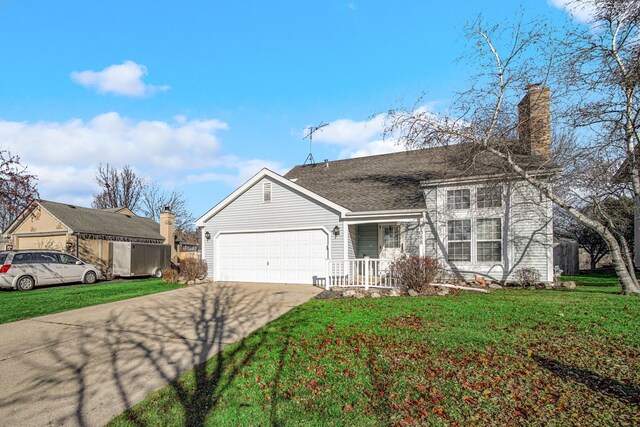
[25, 269]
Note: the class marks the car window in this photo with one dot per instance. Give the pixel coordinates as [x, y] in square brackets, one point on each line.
[46, 258]
[3, 258]
[22, 258]
[68, 259]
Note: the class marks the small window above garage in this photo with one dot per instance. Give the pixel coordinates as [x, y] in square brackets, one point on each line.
[266, 192]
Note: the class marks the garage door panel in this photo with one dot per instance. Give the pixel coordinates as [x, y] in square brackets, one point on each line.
[277, 257]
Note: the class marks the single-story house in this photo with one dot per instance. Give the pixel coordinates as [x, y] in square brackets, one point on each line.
[340, 222]
[83, 232]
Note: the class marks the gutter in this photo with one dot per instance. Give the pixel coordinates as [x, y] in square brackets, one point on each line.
[489, 177]
[395, 212]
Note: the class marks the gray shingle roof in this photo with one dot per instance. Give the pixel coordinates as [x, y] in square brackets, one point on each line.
[392, 181]
[103, 222]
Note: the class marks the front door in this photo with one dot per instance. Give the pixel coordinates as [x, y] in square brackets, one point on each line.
[391, 241]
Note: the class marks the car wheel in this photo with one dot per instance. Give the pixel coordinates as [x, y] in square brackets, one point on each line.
[90, 278]
[25, 283]
[157, 273]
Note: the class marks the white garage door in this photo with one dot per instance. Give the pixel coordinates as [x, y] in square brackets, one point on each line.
[272, 257]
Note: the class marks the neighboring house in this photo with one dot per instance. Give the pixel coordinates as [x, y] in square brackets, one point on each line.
[340, 222]
[85, 232]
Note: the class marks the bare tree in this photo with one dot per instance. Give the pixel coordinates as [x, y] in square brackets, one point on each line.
[604, 71]
[17, 188]
[154, 200]
[119, 188]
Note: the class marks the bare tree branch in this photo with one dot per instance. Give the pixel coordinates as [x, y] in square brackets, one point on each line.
[120, 188]
[17, 188]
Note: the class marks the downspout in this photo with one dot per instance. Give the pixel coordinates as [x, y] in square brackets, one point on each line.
[423, 247]
[77, 251]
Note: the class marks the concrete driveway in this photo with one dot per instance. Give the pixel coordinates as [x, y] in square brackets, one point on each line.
[83, 367]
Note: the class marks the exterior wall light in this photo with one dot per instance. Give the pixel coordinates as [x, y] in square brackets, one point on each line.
[207, 235]
[336, 231]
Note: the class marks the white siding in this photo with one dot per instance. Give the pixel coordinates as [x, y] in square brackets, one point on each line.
[353, 241]
[412, 237]
[367, 240]
[531, 230]
[527, 226]
[287, 210]
[432, 243]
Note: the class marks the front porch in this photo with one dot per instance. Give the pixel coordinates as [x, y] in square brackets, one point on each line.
[362, 273]
[371, 245]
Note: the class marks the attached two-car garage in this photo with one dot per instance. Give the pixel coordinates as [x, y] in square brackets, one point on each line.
[271, 230]
[292, 256]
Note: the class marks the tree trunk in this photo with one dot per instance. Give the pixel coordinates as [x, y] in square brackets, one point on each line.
[627, 281]
[629, 285]
[593, 261]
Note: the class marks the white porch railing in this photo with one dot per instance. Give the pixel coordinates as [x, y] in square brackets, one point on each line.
[363, 273]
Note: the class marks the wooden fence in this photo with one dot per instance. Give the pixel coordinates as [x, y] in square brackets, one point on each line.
[565, 256]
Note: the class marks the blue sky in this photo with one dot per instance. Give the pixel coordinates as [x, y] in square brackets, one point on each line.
[199, 95]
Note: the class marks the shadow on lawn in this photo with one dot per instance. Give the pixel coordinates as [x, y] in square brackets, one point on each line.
[142, 348]
[275, 388]
[628, 393]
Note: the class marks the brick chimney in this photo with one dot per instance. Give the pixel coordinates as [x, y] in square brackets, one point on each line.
[534, 121]
[167, 229]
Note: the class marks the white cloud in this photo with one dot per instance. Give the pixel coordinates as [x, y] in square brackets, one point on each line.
[121, 79]
[359, 138]
[64, 154]
[582, 12]
[366, 137]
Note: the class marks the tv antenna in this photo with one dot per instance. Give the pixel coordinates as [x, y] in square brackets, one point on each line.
[312, 130]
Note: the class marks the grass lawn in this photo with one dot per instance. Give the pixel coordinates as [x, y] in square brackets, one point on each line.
[511, 357]
[594, 277]
[15, 305]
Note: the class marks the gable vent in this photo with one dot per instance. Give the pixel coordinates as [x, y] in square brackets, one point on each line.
[266, 192]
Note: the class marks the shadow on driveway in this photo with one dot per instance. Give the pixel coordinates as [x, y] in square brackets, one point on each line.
[91, 364]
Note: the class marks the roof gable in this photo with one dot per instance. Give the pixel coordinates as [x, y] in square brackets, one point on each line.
[279, 179]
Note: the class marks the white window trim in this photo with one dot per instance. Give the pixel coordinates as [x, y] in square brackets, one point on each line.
[400, 236]
[500, 240]
[461, 241]
[473, 213]
[446, 201]
[489, 186]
